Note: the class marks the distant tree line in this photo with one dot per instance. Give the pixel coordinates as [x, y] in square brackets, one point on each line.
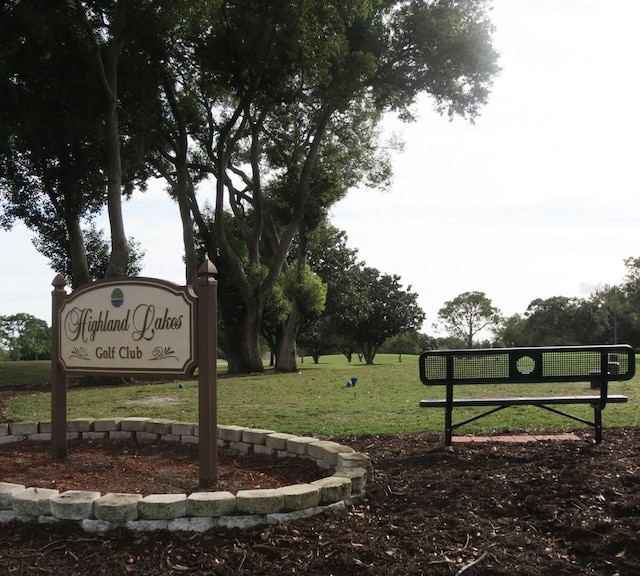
[351, 309]
[610, 314]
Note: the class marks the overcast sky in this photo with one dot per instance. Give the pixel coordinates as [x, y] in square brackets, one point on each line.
[538, 198]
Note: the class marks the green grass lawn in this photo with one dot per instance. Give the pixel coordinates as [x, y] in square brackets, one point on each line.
[315, 400]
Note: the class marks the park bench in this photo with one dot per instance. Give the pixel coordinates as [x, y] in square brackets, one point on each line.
[597, 365]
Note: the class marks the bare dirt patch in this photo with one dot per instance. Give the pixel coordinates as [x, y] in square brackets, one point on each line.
[534, 509]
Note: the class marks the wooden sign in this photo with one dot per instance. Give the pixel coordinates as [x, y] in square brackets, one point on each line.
[129, 325]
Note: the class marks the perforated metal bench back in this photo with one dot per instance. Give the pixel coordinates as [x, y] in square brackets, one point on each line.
[533, 364]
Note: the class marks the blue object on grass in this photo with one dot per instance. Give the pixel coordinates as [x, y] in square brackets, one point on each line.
[351, 382]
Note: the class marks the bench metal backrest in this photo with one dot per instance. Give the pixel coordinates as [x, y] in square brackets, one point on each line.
[531, 364]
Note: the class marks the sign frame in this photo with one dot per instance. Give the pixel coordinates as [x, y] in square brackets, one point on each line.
[81, 325]
[201, 320]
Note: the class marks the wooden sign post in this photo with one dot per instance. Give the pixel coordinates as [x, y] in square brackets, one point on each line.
[138, 326]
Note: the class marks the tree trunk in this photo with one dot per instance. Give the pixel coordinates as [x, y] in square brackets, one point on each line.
[286, 357]
[243, 350]
[188, 240]
[119, 247]
[78, 254]
[107, 64]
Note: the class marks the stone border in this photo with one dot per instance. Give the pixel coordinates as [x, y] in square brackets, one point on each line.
[199, 511]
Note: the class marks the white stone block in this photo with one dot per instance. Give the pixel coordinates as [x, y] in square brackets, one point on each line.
[333, 489]
[7, 490]
[265, 501]
[44, 436]
[192, 524]
[121, 435]
[231, 433]
[162, 506]
[158, 426]
[147, 525]
[94, 435]
[300, 496]
[80, 425]
[241, 522]
[73, 504]
[211, 504]
[117, 507]
[278, 440]
[183, 429]
[328, 451]
[256, 435]
[262, 450]
[358, 477]
[146, 436]
[298, 445]
[33, 501]
[133, 424]
[97, 526]
[10, 439]
[23, 428]
[44, 427]
[240, 447]
[106, 424]
[7, 516]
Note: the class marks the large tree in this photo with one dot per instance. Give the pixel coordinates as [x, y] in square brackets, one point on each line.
[25, 337]
[281, 97]
[281, 101]
[390, 311]
[468, 314]
[61, 123]
[561, 320]
[51, 175]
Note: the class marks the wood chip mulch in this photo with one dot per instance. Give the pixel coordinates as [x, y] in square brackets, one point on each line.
[493, 508]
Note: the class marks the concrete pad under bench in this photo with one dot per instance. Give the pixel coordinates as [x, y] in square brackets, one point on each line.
[73, 504]
[117, 507]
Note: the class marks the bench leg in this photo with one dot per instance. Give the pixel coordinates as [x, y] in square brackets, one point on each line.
[597, 413]
[448, 426]
[448, 410]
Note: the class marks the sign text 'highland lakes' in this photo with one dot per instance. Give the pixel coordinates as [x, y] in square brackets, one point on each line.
[131, 326]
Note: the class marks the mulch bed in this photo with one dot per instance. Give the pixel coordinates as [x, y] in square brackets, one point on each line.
[533, 509]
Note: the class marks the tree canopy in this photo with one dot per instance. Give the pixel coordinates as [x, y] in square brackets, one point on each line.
[274, 107]
[468, 314]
